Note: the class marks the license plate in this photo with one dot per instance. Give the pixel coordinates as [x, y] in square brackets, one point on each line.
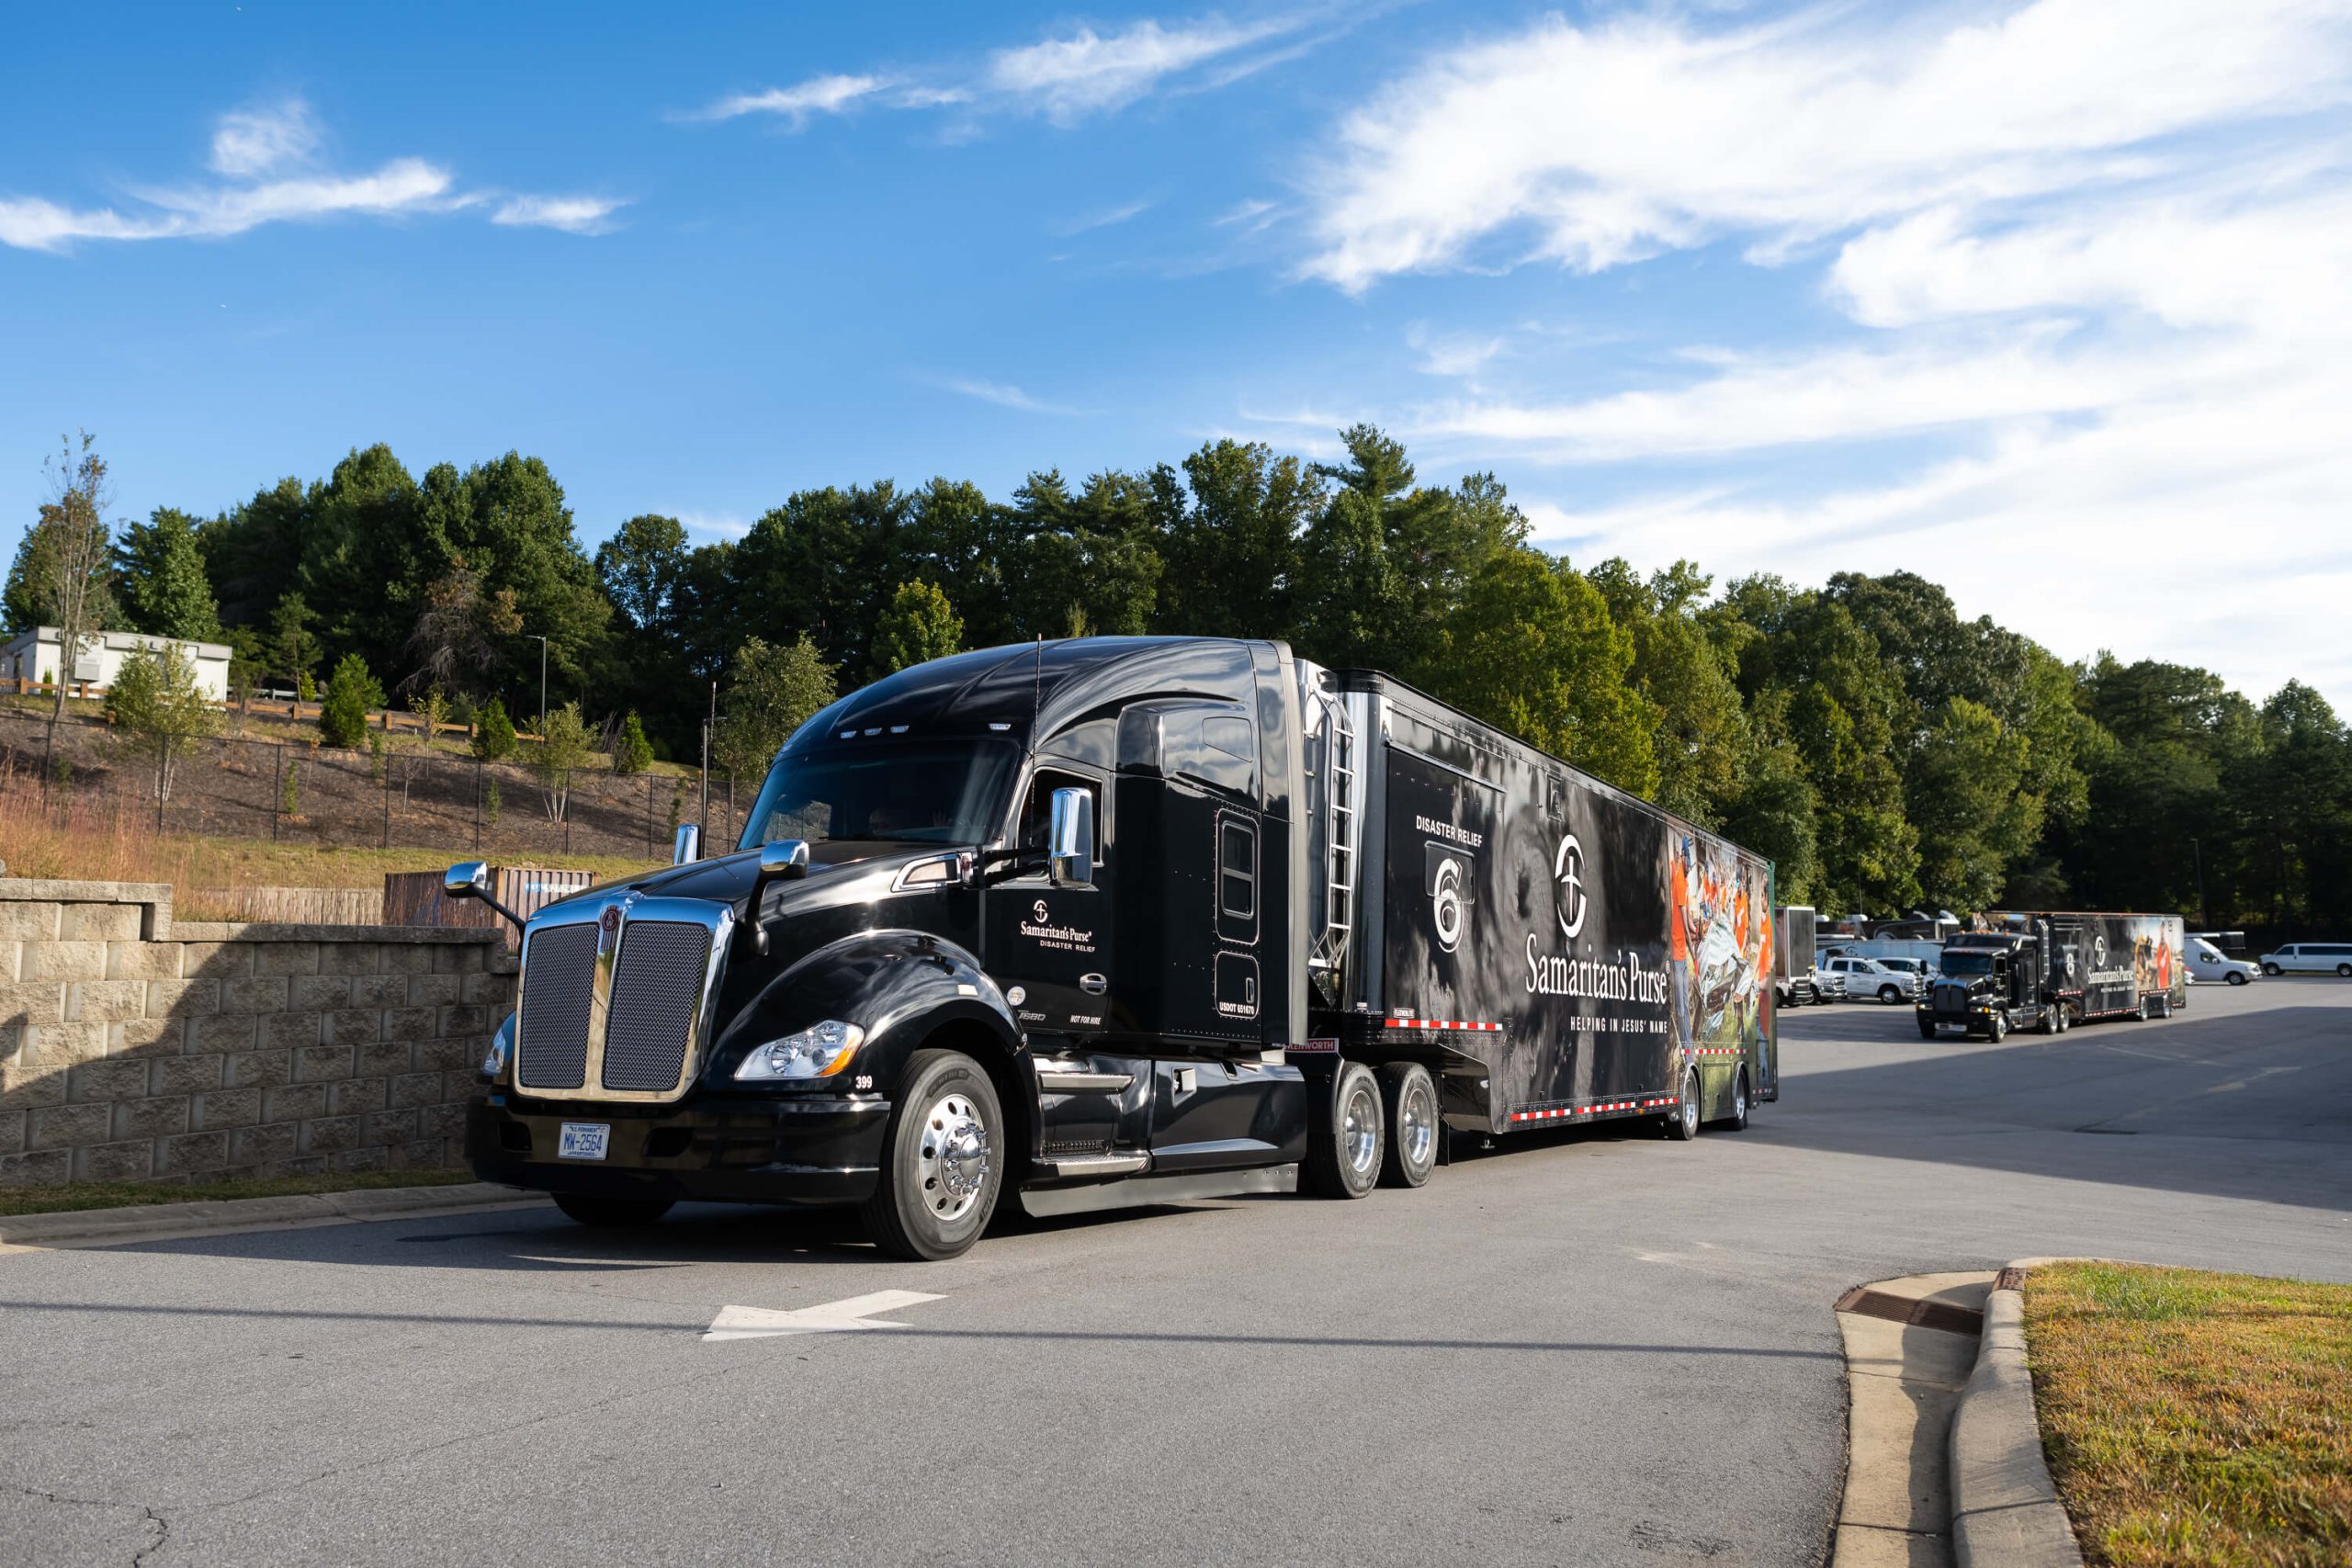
[584, 1140]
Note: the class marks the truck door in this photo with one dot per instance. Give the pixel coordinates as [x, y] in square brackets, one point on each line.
[1050, 947]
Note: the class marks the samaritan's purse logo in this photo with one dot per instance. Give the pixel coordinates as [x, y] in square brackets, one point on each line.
[1567, 876]
[1038, 908]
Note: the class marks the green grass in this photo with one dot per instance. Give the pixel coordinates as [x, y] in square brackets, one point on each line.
[2195, 1418]
[73, 1195]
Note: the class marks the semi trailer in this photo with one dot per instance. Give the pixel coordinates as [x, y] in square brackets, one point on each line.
[1121, 920]
[2050, 970]
[1797, 975]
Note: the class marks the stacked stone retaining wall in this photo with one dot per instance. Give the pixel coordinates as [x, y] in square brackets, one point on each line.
[135, 1047]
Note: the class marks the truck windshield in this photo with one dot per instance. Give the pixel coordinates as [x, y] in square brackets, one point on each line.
[1967, 963]
[934, 792]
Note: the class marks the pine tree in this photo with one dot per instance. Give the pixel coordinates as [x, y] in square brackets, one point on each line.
[164, 589]
[493, 732]
[918, 625]
[351, 692]
[632, 753]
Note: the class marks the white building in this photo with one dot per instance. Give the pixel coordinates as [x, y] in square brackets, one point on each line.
[34, 658]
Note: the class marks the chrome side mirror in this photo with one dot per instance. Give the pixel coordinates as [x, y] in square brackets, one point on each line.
[470, 879]
[688, 846]
[1069, 856]
[786, 860]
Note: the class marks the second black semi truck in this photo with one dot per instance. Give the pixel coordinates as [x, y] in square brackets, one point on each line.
[1124, 921]
[2049, 970]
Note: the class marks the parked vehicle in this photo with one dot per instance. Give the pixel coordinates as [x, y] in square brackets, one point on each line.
[1868, 977]
[2309, 958]
[1883, 948]
[1797, 978]
[2208, 963]
[1921, 970]
[2052, 970]
[1122, 920]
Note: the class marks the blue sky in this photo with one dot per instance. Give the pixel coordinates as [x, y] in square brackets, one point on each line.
[2049, 300]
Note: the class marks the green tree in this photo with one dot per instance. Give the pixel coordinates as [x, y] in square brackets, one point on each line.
[1531, 650]
[641, 567]
[461, 631]
[918, 625]
[1686, 676]
[1231, 535]
[73, 562]
[632, 753]
[493, 732]
[158, 705]
[291, 650]
[163, 587]
[771, 692]
[562, 751]
[350, 693]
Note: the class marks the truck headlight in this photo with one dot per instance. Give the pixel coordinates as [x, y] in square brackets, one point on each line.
[818, 1051]
[501, 1045]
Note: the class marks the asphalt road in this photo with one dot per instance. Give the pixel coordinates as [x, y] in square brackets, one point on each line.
[1592, 1348]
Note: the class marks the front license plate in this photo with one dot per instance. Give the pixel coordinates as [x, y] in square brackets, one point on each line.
[584, 1140]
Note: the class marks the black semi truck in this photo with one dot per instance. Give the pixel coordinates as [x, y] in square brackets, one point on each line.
[1120, 920]
[2050, 970]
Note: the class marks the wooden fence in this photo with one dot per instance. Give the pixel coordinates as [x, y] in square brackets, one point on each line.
[414, 897]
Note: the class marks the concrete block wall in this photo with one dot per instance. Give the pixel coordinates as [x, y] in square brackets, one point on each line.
[133, 1047]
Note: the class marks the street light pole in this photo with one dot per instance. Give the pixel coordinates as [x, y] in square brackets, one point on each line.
[543, 686]
[2204, 911]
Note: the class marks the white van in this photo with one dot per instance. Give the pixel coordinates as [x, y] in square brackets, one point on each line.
[2208, 963]
[2309, 958]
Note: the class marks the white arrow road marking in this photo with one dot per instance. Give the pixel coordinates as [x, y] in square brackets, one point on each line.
[833, 1318]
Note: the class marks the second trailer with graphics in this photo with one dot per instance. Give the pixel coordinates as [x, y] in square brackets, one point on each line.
[1124, 921]
[2049, 970]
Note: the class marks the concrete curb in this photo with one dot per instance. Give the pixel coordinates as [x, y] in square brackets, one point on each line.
[147, 1222]
[1910, 1345]
[2005, 1512]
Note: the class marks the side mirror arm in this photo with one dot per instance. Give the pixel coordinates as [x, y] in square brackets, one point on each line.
[784, 861]
[470, 879]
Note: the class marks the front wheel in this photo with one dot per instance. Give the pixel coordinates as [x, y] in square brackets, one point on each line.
[1684, 1124]
[1890, 994]
[1409, 1098]
[611, 1213]
[941, 1166]
[2345, 970]
[1927, 1029]
[2236, 978]
[1997, 1029]
[1343, 1149]
[2271, 969]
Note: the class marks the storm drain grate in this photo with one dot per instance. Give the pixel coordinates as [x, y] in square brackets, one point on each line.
[1866, 1302]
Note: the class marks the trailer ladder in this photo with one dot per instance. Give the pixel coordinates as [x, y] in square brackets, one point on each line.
[1329, 961]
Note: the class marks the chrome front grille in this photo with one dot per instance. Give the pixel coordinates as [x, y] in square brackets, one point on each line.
[558, 995]
[616, 996]
[657, 1000]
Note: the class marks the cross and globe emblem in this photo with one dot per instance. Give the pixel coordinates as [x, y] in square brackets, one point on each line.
[1567, 872]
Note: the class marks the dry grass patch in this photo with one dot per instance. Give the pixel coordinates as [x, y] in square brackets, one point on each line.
[101, 837]
[77, 1195]
[2196, 1418]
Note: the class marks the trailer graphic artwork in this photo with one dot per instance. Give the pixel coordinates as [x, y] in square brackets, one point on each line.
[1721, 929]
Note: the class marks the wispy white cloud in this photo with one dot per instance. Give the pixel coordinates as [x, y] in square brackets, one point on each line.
[1593, 146]
[572, 214]
[1109, 217]
[1004, 395]
[247, 143]
[2095, 262]
[1451, 355]
[250, 143]
[713, 525]
[1064, 77]
[1087, 73]
[1248, 217]
[797, 103]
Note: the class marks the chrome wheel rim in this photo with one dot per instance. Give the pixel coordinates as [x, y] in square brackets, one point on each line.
[1416, 1124]
[1360, 1128]
[1739, 1099]
[952, 1158]
[1689, 1104]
